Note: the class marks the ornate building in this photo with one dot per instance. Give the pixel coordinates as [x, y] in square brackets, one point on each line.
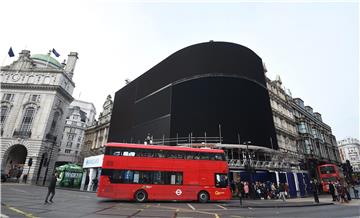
[96, 135]
[284, 119]
[349, 149]
[36, 91]
[316, 141]
[80, 115]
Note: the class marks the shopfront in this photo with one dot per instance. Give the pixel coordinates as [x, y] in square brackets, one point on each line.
[92, 170]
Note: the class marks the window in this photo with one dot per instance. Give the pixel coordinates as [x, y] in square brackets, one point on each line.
[144, 177]
[35, 98]
[53, 124]
[67, 151]
[69, 144]
[70, 137]
[4, 113]
[76, 152]
[302, 127]
[327, 170]
[221, 180]
[8, 97]
[27, 119]
[134, 152]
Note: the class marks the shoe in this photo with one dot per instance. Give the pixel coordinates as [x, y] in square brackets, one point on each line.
[46, 202]
[51, 201]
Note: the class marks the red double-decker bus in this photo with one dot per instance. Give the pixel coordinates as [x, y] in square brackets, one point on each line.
[151, 172]
[328, 173]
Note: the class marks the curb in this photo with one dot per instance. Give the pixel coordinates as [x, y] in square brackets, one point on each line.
[279, 206]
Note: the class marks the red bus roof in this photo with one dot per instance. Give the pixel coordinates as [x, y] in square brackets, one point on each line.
[327, 165]
[163, 147]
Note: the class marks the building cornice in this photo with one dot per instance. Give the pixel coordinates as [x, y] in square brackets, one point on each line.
[56, 88]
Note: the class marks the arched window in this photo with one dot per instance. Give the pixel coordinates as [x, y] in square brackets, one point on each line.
[4, 113]
[27, 119]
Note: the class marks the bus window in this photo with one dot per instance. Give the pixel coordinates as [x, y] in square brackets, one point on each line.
[327, 170]
[221, 180]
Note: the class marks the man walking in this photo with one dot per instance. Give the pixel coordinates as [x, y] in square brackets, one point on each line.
[332, 190]
[51, 188]
[315, 190]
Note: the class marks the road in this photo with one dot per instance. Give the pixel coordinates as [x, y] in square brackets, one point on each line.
[19, 200]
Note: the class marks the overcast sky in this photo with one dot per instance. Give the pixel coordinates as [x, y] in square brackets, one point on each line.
[313, 46]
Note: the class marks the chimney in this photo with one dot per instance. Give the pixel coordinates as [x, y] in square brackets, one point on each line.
[71, 62]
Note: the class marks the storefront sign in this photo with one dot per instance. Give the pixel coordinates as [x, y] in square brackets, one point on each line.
[93, 161]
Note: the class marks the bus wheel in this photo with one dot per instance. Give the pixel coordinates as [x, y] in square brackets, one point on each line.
[203, 197]
[140, 196]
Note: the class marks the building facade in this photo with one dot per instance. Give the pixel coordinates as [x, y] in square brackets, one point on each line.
[349, 149]
[36, 92]
[95, 138]
[96, 135]
[316, 141]
[79, 116]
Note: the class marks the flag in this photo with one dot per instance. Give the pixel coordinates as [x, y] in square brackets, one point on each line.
[11, 52]
[55, 52]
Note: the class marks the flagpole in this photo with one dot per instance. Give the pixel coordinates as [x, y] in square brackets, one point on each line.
[48, 58]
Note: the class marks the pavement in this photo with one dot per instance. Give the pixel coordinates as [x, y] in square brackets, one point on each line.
[22, 200]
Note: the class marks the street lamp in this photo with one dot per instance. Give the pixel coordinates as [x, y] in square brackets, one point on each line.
[249, 167]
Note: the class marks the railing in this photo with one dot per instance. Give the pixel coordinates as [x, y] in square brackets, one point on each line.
[185, 140]
[21, 134]
[256, 164]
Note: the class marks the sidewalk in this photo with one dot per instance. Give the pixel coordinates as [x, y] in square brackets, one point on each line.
[292, 202]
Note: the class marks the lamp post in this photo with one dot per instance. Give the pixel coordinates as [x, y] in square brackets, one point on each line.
[248, 167]
[49, 160]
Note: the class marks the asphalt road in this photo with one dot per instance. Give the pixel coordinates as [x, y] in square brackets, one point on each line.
[18, 200]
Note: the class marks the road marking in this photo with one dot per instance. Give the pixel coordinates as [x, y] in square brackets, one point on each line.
[3, 216]
[19, 190]
[134, 214]
[193, 208]
[216, 216]
[29, 215]
[221, 206]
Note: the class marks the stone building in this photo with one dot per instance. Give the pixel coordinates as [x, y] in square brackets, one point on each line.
[36, 91]
[349, 149]
[96, 134]
[284, 119]
[316, 141]
[80, 115]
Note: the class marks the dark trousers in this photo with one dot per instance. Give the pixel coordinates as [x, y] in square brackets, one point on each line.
[333, 196]
[52, 192]
[316, 197]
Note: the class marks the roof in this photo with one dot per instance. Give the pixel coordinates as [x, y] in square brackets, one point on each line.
[46, 58]
[163, 147]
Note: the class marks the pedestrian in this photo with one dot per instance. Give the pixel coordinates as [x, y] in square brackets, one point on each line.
[246, 189]
[332, 191]
[356, 192]
[286, 187]
[282, 192]
[315, 190]
[51, 188]
[18, 174]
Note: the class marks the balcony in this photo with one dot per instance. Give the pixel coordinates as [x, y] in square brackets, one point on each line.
[51, 137]
[22, 134]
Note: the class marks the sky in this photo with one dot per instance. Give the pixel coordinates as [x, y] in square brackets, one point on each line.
[312, 45]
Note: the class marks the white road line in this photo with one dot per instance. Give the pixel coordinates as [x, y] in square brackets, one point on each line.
[193, 208]
[222, 207]
[3, 216]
